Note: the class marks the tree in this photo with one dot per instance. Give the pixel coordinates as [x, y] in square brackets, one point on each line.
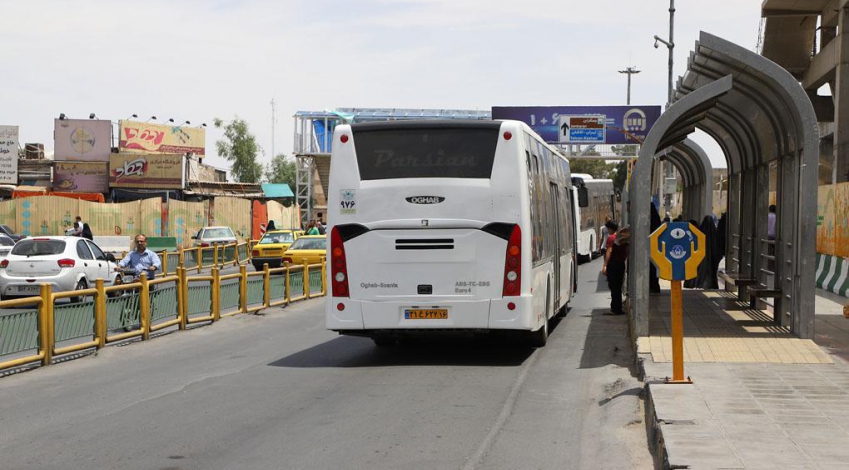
[592, 166]
[239, 146]
[281, 170]
[620, 174]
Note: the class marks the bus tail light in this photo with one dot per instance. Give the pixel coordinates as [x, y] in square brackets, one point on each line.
[513, 264]
[338, 265]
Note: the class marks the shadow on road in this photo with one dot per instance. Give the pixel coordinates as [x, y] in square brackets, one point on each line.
[607, 342]
[349, 351]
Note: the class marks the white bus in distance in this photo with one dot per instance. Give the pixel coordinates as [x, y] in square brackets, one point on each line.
[592, 211]
[438, 226]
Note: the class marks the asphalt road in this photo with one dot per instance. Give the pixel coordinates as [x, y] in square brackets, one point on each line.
[278, 391]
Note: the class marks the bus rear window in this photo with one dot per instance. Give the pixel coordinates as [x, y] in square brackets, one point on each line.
[425, 152]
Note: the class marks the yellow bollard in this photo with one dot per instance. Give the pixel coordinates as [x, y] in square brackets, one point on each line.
[216, 294]
[243, 289]
[182, 302]
[144, 307]
[323, 276]
[100, 313]
[45, 325]
[266, 286]
[306, 279]
[288, 288]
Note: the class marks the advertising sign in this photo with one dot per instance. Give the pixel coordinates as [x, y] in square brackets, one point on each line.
[581, 129]
[82, 139]
[622, 124]
[81, 177]
[9, 154]
[143, 137]
[145, 170]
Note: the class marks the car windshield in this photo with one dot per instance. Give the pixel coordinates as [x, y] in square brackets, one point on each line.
[34, 247]
[5, 228]
[218, 233]
[309, 244]
[6, 241]
[278, 237]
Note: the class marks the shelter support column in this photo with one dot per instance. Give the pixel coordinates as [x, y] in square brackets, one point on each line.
[760, 220]
[840, 165]
[748, 201]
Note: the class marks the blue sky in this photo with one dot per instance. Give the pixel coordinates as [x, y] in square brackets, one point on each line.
[197, 60]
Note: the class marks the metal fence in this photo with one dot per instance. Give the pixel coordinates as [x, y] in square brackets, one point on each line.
[53, 324]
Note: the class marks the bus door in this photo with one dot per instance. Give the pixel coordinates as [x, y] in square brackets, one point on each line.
[555, 197]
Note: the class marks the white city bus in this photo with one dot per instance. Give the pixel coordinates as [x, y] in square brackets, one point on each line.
[591, 213]
[447, 225]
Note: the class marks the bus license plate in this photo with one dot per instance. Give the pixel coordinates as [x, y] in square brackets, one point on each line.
[426, 314]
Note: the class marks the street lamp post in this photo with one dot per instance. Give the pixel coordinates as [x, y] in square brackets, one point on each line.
[630, 71]
[670, 45]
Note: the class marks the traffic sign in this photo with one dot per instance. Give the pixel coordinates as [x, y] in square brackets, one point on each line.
[582, 129]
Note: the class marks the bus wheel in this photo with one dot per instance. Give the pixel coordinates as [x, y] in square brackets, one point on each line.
[540, 337]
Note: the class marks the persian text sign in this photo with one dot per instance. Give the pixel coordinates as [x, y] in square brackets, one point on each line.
[9, 154]
[623, 124]
[82, 139]
[155, 138]
[145, 170]
[82, 177]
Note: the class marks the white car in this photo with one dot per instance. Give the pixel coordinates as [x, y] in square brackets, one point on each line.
[6, 244]
[209, 236]
[67, 263]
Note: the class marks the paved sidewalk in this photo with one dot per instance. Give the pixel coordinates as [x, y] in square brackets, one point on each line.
[774, 401]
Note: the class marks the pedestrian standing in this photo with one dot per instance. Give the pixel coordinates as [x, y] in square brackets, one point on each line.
[605, 233]
[614, 267]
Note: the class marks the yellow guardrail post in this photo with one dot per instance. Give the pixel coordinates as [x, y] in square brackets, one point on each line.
[323, 276]
[243, 289]
[182, 301]
[164, 259]
[45, 325]
[306, 279]
[216, 294]
[288, 290]
[100, 313]
[180, 262]
[215, 255]
[236, 254]
[200, 258]
[144, 307]
[266, 286]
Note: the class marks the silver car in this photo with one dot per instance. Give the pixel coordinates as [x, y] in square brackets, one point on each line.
[6, 244]
[209, 236]
[67, 263]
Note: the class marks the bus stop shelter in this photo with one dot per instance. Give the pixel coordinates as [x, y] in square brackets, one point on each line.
[766, 128]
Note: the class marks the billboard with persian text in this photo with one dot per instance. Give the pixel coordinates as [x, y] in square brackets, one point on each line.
[82, 177]
[146, 170]
[143, 137]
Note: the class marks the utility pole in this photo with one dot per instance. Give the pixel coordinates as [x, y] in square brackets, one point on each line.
[670, 45]
[630, 70]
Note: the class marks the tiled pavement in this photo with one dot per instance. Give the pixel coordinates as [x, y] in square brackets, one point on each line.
[759, 399]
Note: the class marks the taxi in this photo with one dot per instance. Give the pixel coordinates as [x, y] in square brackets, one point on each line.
[271, 247]
[309, 248]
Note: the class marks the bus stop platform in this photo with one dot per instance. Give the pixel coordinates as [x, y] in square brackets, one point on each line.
[760, 397]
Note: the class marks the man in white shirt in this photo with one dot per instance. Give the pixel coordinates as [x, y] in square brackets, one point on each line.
[78, 227]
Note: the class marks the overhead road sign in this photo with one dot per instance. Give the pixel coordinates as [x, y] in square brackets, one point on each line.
[581, 129]
[623, 124]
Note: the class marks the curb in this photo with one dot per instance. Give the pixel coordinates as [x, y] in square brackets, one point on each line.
[654, 431]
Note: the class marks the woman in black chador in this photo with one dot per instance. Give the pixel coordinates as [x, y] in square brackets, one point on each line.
[707, 270]
[654, 282]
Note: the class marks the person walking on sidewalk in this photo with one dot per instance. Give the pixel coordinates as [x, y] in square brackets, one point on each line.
[614, 267]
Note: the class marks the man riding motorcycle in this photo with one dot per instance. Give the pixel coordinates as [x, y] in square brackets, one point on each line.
[141, 259]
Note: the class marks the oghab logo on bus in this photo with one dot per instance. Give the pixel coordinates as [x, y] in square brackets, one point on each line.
[425, 199]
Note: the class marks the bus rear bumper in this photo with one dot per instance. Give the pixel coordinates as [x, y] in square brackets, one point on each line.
[490, 314]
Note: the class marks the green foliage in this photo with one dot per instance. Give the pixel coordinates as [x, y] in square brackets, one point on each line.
[281, 170]
[592, 166]
[619, 175]
[239, 146]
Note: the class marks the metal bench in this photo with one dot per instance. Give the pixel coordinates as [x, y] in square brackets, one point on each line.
[740, 281]
[756, 293]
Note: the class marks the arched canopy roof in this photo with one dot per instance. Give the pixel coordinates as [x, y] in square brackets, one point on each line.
[757, 112]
